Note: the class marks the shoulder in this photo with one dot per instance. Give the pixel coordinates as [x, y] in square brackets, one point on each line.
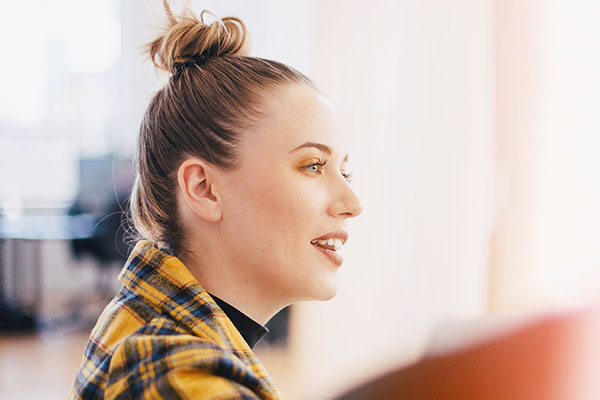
[171, 366]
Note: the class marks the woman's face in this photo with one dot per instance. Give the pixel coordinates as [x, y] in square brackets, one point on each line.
[280, 199]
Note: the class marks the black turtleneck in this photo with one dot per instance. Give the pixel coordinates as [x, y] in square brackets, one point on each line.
[250, 330]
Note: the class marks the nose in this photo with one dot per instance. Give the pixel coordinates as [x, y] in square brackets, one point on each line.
[346, 202]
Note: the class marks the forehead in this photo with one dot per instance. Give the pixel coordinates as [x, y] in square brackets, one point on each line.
[296, 114]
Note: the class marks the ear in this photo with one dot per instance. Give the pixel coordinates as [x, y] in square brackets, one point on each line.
[198, 186]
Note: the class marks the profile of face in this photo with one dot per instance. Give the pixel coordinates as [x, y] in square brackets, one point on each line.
[290, 189]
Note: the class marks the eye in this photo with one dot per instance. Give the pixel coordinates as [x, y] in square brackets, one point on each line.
[317, 168]
[348, 176]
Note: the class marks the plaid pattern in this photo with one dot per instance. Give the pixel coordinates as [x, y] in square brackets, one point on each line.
[163, 336]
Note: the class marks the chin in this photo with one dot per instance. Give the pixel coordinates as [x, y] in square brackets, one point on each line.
[318, 282]
[317, 294]
[327, 292]
[329, 296]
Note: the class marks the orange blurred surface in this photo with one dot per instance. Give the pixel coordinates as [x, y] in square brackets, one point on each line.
[553, 357]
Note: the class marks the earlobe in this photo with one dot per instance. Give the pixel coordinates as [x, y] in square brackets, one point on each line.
[199, 190]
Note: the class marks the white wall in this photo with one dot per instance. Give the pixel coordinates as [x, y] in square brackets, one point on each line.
[569, 226]
[546, 251]
[414, 82]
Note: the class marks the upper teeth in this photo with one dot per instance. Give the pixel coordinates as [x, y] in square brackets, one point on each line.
[336, 243]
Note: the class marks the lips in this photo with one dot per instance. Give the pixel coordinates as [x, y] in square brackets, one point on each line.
[331, 244]
[341, 234]
[336, 257]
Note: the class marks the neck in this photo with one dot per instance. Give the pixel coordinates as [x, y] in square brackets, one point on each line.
[231, 283]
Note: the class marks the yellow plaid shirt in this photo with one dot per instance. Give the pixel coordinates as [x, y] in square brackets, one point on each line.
[163, 336]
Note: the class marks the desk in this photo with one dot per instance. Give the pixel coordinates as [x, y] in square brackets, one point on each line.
[31, 231]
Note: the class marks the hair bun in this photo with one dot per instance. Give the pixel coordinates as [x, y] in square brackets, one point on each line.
[188, 36]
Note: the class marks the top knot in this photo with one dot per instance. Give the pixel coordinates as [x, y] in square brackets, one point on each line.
[190, 61]
[187, 40]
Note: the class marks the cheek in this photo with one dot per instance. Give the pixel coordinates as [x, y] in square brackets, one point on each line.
[272, 225]
[279, 207]
[283, 203]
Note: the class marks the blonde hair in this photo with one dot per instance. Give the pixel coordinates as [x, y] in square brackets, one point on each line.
[215, 91]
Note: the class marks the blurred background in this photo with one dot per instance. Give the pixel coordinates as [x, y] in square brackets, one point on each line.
[474, 130]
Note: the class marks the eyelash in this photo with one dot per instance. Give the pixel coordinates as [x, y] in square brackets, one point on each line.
[321, 163]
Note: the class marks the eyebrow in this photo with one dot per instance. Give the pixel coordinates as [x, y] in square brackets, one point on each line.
[323, 147]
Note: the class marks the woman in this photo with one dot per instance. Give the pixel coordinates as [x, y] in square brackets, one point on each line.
[240, 201]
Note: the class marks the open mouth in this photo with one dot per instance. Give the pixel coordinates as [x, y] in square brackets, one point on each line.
[334, 245]
[325, 246]
[332, 250]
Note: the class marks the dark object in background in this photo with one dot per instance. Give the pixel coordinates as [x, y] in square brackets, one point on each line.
[278, 328]
[107, 243]
[13, 319]
[104, 187]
